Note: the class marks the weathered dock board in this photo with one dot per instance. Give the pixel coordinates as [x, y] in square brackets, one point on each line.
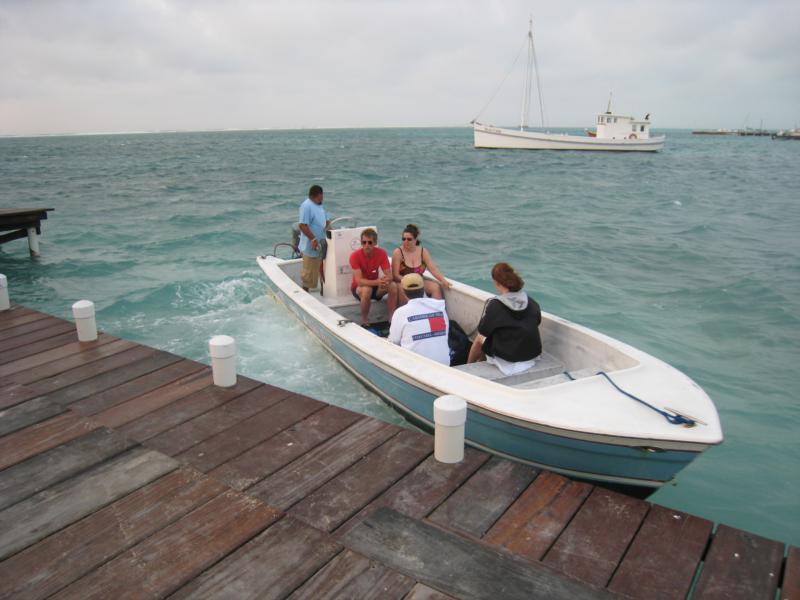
[125, 472]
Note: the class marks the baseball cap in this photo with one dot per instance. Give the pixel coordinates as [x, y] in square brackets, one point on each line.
[412, 281]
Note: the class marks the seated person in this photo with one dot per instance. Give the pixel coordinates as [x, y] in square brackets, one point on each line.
[411, 257]
[367, 285]
[421, 325]
[508, 333]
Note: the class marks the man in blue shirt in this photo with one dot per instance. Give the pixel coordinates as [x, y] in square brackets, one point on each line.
[314, 220]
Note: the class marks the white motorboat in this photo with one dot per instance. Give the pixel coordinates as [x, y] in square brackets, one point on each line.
[592, 407]
[614, 131]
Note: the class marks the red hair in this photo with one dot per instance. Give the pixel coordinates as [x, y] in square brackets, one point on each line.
[505, 275]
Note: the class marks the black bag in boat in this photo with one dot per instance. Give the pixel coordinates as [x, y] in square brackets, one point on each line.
[459, 344]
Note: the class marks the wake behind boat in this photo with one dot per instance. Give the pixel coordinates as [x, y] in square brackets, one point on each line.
[592, 407]
[614, 132]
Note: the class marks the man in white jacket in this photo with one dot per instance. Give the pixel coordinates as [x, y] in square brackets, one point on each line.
[421, 325]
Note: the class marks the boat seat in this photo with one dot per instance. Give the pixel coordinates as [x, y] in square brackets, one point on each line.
[546, 365]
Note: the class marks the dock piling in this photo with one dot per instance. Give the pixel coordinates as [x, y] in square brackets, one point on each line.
[33, 241]
[5, 303]
[223, 360]
[449, 416]
[85, 323]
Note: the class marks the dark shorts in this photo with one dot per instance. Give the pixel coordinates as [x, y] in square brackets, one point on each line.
[357, 297]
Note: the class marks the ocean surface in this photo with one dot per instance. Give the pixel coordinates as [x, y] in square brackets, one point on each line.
[691, 254]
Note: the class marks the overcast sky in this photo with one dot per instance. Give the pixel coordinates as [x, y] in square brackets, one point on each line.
[124, 65]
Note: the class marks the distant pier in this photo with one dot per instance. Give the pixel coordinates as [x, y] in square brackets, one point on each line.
[21, 223]
[124, 472]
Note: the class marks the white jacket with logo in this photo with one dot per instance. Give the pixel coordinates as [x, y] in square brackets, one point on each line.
[422, 326]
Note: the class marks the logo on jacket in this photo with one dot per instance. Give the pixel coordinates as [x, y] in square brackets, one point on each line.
[436, 323]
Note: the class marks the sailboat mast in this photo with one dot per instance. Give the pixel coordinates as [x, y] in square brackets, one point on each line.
[536, 70]
[526, 83]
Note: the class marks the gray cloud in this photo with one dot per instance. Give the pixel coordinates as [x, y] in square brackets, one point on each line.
[123, 65]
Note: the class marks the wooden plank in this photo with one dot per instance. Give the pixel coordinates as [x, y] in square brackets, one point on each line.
[293, 551]
[350, 575]
[343, 496]
[27, 413]
[278, 451]
[219, 448]
[299, 478]
[138, 385]
[91, 369]
[423, 489]
[192, 432]
[50, 371]
[455, 565]
[592, 545]
[11, 336]
[476, 505]
[739, 565]
[15, 393]
[663, 558]
[142, 364]
[57, 464]
[30, 441]
[15, 310]
[790, 586]
[422, 592]
[138, 406]
[65, 351]
[531, 525]
[34, 332]
[20, 317]
[48, 511]
[37, 342]
[168, 559]
[185, 408]
[58, 560]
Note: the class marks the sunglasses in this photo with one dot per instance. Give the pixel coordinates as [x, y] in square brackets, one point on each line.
[367, 242]
[408, 239]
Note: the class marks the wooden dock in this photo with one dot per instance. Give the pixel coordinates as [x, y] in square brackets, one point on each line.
[124, 473]
[23, 222]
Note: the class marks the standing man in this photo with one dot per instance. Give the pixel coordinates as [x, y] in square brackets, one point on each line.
[314, 220]
[421, 325]
[367, 284]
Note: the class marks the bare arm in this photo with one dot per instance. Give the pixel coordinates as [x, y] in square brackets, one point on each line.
[396, 265]
[307, 232]
[362, 281]
[426, 256]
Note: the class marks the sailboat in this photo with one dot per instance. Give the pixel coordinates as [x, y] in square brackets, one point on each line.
[614, 131]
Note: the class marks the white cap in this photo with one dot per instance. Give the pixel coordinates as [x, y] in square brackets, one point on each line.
[450, 411]
[83, 309]
[222, 346]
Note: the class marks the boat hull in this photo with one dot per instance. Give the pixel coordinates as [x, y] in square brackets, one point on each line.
[496, 137]
[640, 463]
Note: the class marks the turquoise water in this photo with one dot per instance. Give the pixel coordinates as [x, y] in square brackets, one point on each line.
[690, 254]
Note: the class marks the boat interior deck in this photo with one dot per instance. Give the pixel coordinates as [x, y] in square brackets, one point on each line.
[548, 370]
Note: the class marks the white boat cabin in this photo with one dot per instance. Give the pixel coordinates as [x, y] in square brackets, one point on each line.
[619, 127]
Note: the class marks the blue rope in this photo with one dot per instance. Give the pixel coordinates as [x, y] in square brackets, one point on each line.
[674, 419]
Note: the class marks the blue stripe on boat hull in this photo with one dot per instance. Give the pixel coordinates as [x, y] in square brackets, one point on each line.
[587, 459]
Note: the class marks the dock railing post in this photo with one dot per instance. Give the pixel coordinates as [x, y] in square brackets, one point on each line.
[83, 311]
[33, 241]
[450, 417]
[223, 360]
[5, 303]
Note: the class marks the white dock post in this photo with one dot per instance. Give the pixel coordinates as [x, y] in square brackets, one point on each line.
[33, 241]
[223, 360]
[5, 303]
[449, 416]
[83, 311]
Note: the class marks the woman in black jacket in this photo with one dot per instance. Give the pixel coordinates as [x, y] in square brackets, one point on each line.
[508, 333]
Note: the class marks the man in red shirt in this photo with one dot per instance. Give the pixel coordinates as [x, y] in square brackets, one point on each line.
[367, 285]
